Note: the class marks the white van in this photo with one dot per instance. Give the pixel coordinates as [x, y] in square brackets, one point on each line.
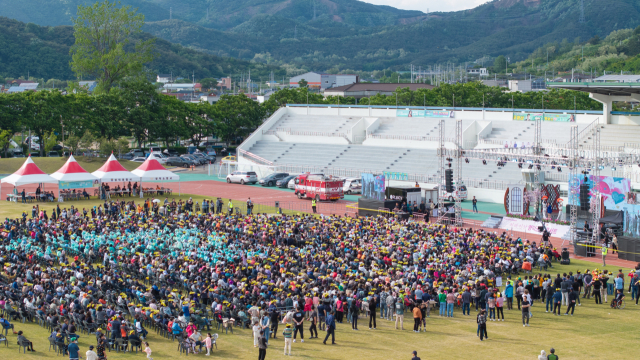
[460, 192]
[352, 186]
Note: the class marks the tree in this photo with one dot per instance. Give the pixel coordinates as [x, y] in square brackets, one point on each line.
[238, 116]
[5, 136]
[87, 140]
[50, 141]
[500, 64]
[103, 48]
[303, 83]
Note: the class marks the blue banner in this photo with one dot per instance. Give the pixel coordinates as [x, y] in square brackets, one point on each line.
[63, 185]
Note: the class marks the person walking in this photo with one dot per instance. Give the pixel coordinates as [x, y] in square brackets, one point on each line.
[572, 302]
[262, 346]
[313, 205]
[481, 319]
[288, 338]
[147, 350]
[525, 311]
[475, 204]
[73, 349]
[331, 328]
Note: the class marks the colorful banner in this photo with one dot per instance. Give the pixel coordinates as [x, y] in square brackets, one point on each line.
[390, 175]
[63, 185]
[425, 113]
[373, 186]
[547, 117]
[528, 226]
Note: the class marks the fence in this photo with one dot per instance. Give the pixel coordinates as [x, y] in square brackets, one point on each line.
[295, 208]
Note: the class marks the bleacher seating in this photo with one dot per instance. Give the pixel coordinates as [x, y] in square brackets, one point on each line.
[398, 127]
[521, 131]
[309, 123]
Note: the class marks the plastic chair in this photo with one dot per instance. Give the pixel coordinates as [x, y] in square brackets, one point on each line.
[52, 343]
[24, 345]
[214, 339]
[135, 344]
[3, 338]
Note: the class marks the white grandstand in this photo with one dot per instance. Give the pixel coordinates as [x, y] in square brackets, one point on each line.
[347, 141]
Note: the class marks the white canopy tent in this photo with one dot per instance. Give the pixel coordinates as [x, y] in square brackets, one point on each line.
[152, 170]
[113, 171]
[29, 173]
[71, 172]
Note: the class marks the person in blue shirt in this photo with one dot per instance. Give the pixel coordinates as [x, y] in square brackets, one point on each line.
[508, 292]
[73, 349]
[619, 282]
[557, 300]
[185, 311]
[331, 328]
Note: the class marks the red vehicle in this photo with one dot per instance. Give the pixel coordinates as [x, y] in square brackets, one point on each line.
[319, 187]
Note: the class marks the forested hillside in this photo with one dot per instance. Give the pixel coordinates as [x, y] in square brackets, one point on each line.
[43, 52]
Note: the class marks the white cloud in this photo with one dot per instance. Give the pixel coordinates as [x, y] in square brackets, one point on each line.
[432, 5]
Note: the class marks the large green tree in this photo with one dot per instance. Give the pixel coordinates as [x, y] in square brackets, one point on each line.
[105, 48]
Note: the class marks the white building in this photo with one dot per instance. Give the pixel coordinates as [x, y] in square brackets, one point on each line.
[163, 78]
[323, 81]
[178, 87]
[480, 72]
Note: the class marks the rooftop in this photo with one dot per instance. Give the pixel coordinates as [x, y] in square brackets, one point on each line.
[380, 87]
[605, 88]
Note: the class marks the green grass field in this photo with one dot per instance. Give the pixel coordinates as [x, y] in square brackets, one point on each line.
[593, 331]
[52, 164]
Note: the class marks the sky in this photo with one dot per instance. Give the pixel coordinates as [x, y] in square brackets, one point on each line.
[431, 5]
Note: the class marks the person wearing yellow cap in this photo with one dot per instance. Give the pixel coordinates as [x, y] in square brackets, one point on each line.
[288, 338]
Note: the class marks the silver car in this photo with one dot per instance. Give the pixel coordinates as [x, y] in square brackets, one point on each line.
[242, 177]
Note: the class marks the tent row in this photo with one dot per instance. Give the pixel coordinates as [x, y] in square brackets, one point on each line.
[72, 174]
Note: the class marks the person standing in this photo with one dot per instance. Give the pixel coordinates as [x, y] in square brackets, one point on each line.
[604, 254]
[331, 328]
[466, 302]
[572, 302]
[417, 318]
[475, 204]
[313, 205]
[373, 301]
[525, 311]
[314, 321]
[355, 311]
[262, 346]
[399, 313]
[587, 279]
[298, 319]
[415, 355]
[91, 355]
[597, 285]
[73, 349]
[481, 319]
[451, 299]
[288, 338]
[499, 306]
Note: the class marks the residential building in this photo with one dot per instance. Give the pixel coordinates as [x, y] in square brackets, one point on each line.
[225, 83]
[361, 90]
[323, 81]
[164, 78]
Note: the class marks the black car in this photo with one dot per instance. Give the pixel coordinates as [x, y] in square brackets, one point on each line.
[196, 160]
[284, 182]
[56, 147]
[171, 152]
[271, 179]
[178, 161]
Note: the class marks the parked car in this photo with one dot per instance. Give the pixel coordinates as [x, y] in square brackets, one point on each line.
[352, 186]
[196, 160]
[171, 152]
[53, 154]
[57, 147]
[242, 177]
[153, 149]
[162, 159]
[204, 157]
[292, 183]
[137, 153]
[284, 182]
[127, 156]
[271, 179]
[179, 161]
[228, 159]
[139, 159]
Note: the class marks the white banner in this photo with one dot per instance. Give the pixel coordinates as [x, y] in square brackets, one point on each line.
[529, 226]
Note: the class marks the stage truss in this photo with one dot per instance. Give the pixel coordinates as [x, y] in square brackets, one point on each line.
[541, 158]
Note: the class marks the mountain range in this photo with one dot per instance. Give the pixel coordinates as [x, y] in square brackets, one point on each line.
[43, 52]
[352, 35]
